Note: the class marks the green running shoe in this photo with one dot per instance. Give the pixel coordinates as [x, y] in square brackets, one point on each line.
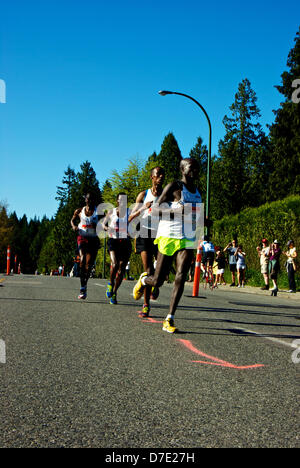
[113, 299]
[109, 291]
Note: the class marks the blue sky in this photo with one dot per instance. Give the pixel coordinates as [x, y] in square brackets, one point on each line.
[82, 81]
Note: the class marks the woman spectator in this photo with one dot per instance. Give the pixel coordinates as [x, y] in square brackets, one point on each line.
[264, 255]
[221, 263]
[241, 266]
[274, 265]
[291, 265]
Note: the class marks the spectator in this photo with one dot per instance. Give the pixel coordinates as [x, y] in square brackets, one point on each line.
[274, 265]
[208, 256]
[192, 270]
[76, 267]
[215, 273]
[291, 265]
[221, 262]
[127, 270]
[264, 254]
[241, 266]
[231, 249]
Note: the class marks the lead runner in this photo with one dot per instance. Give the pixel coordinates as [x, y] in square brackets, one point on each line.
[172, 237]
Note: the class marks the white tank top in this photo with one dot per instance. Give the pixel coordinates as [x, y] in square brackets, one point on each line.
[207, 247]
[118, 227]
[87, 225]
[148, 220]
[181, 225]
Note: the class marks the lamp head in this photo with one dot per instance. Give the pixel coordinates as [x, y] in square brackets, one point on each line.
[164, 93]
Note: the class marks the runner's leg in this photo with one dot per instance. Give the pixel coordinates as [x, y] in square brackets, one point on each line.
[119, 275]
[148, 267]
[183, 263]
[162, 269]
[83, 279]
[82, 255]
[113, 267]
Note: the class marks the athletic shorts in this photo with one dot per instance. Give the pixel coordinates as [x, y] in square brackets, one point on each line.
[220, 271]
[90, 244]
[145, 245]
[232, 267]
[208, 257]
[169, 246]
[122, 248]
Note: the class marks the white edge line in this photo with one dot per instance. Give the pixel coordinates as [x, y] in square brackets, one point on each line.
[276, 340]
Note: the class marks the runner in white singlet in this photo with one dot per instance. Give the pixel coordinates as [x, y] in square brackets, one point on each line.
[144, 242]
[87, 240]
[119, 245]
[175, 236]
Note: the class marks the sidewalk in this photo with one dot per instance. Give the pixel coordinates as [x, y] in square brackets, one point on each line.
[284, 294]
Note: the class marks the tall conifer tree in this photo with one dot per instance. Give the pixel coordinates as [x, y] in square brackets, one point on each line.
[285, 132]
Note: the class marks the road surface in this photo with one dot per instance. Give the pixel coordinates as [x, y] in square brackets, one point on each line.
[89, 374]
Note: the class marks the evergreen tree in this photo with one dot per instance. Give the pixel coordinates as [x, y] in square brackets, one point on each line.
[37, 244]
[86, 181]
[200, 153]
[107, 192]
[169, 158]
[5, 235]
[64, 191]
[238, 152]
[285, 132]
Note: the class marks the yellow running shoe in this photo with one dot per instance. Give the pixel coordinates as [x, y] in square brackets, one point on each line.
[168, 326]
[139, 288]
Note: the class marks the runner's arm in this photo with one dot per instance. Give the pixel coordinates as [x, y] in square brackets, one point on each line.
[105, 221]
[138, 209]
[170, 193]
[75, 215]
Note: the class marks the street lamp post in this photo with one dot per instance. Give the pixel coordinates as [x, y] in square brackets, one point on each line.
[207, 211]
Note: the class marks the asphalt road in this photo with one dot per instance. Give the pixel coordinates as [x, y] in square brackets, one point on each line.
[88, 374]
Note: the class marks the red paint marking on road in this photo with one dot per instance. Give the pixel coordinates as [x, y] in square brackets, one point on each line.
[218, 362]
[151, 320]
[148, 319]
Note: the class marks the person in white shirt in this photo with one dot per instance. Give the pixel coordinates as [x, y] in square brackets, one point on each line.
[144, 243]
[119, 245]
[175, 236]
[291, 265]
[87, 239]
[208, 255]
[264, 255]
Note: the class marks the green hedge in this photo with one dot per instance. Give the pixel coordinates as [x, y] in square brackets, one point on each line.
[277, 220]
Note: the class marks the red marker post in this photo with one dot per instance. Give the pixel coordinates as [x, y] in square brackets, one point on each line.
[16, 263]
[197, 272]
[8, 261]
